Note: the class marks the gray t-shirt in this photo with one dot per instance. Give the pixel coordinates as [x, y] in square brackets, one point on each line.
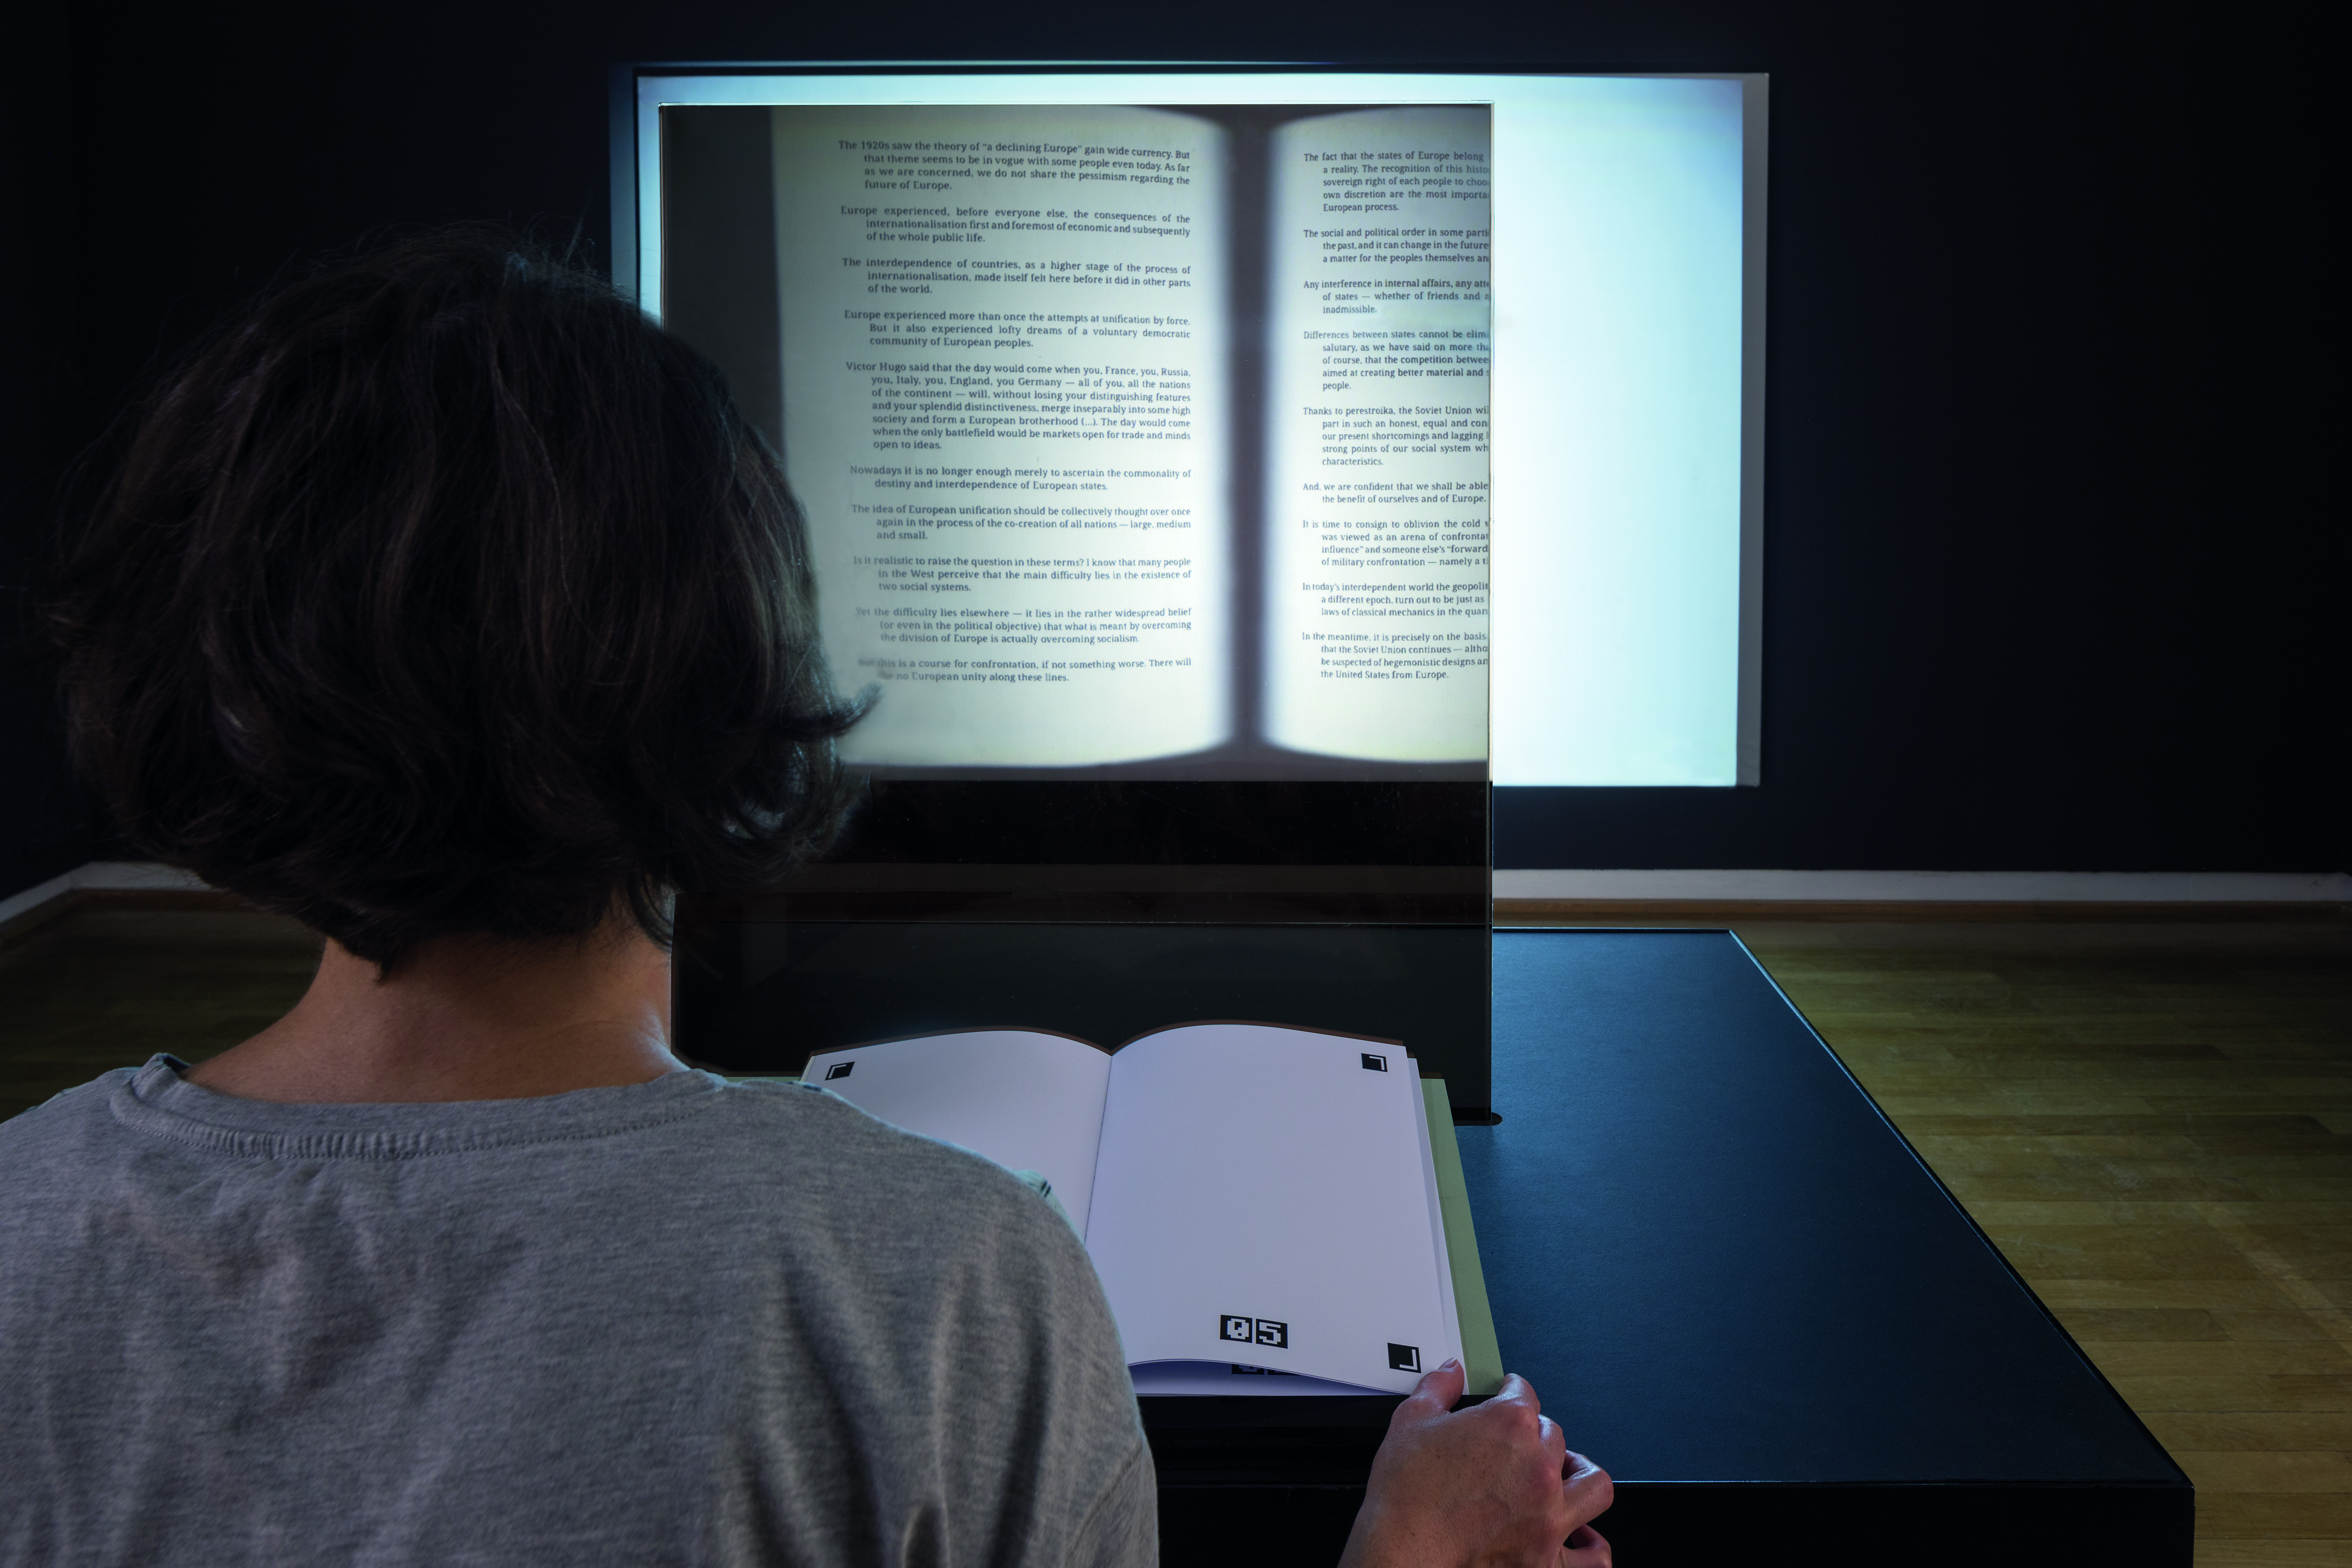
[683, 1322]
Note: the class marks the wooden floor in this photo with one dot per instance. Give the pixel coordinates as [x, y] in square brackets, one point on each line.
[2153, 1120]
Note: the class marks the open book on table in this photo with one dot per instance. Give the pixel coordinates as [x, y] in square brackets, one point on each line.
[1130, 433]
[1257, 1200]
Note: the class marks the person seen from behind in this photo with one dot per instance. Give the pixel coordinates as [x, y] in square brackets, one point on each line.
[447, 605]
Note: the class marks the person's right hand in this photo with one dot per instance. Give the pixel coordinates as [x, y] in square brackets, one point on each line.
[1491, 1486]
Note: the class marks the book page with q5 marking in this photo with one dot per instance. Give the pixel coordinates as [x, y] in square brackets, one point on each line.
[1029, 423]
[1260, 1200]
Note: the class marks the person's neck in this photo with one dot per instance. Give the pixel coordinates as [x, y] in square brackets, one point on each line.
[463, 1018]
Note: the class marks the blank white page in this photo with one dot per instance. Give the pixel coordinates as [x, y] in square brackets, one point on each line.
[1259, 1198]
[1030, 1102]
[1240, 1378]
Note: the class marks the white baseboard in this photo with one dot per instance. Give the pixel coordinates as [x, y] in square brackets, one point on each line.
[1677, 887]
[135, 875]
[1932, 886]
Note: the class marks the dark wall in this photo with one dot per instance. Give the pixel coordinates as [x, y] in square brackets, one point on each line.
[45, 827]
[2047, 584]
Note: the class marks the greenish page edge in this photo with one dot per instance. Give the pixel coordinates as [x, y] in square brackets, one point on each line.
[1481, 1354]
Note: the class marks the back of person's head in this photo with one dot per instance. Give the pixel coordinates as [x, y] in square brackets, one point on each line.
[447, 595]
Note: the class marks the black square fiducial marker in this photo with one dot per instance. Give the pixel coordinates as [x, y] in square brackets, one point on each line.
[1243, 1328]
[1404, 1358]
[1375, 1064]
[1270, 1332]
[838, 1069]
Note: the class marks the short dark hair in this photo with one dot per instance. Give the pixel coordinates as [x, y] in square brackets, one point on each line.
[447, 593]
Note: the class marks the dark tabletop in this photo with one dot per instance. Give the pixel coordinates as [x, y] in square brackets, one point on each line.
[1717, 1261]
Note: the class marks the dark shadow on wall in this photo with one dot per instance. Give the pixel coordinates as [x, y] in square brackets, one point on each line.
[45, 827]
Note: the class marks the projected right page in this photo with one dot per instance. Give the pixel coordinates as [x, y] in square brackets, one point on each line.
[1377, 324]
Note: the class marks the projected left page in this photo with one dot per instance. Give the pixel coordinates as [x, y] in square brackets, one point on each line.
[1005, 412]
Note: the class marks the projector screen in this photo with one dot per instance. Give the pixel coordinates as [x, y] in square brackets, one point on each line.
[1158, 424]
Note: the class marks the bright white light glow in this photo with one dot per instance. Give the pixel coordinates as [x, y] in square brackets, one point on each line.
[1625, 382]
